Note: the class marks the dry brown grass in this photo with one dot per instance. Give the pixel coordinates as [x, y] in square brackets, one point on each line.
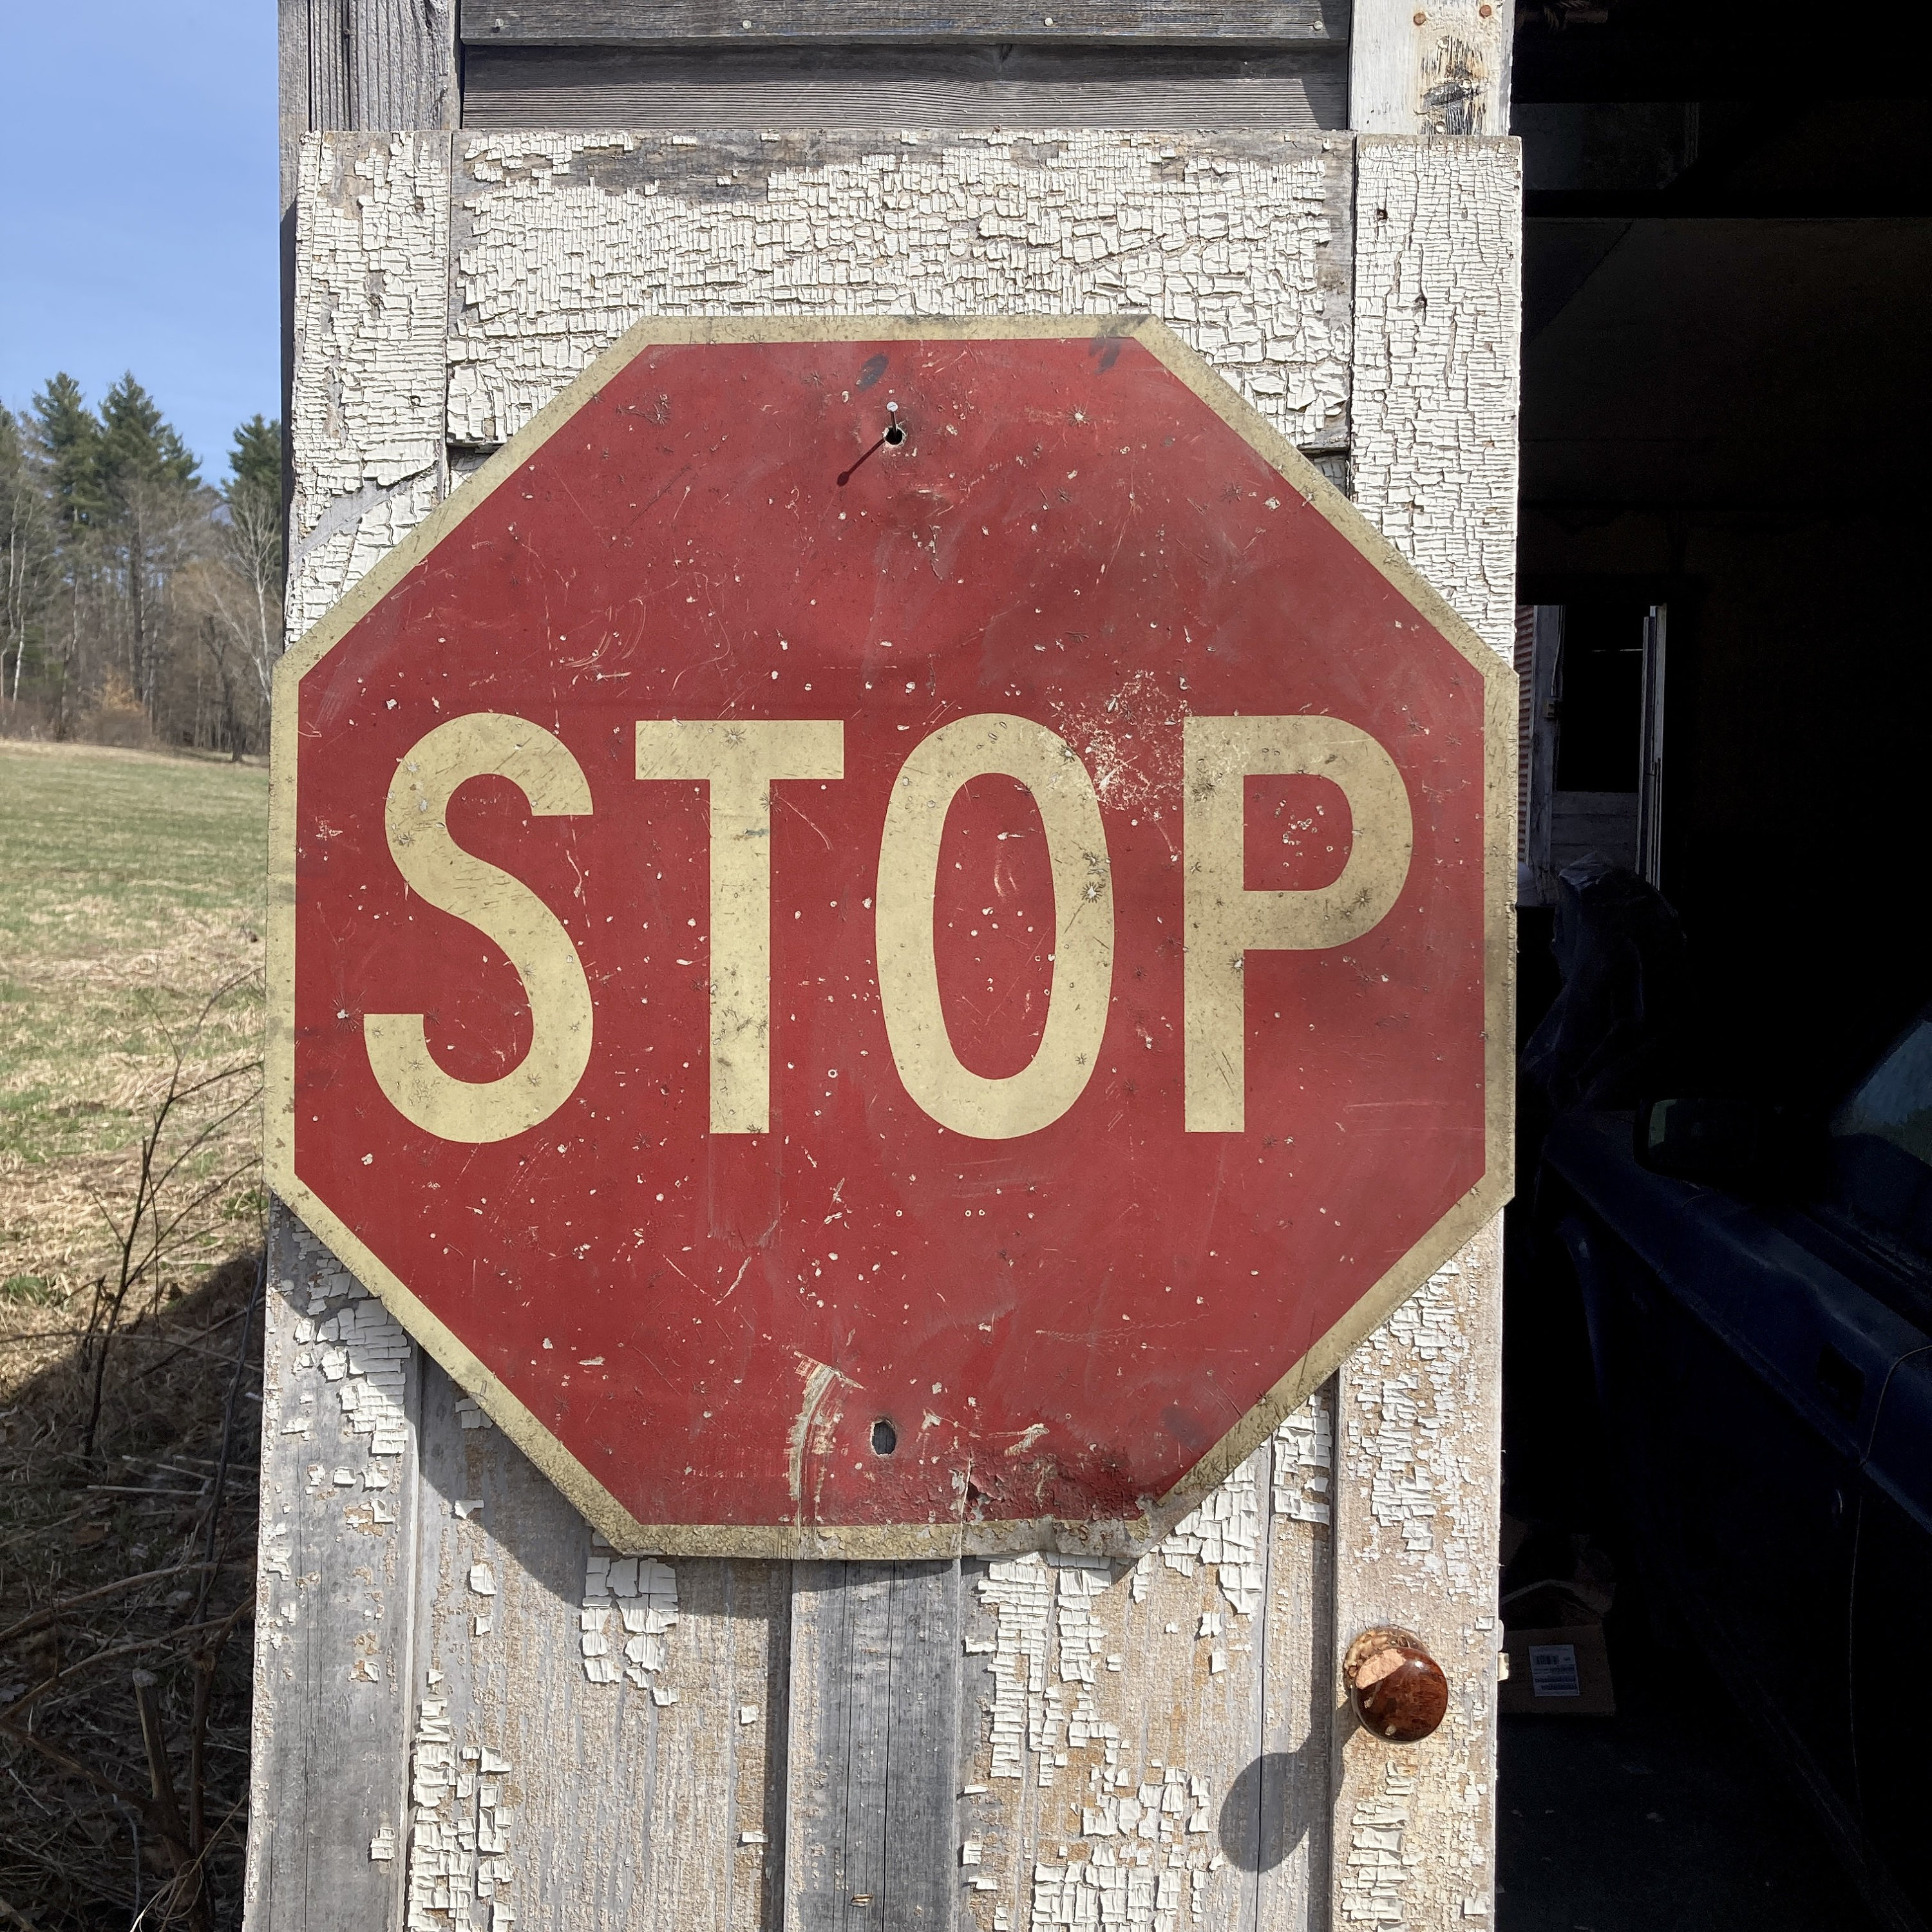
[139, 1558]
[131, 917]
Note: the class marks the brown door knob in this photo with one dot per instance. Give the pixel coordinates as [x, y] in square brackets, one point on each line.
[1397, 1688]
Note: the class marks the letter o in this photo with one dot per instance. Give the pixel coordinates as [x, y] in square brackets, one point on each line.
[1083, 971]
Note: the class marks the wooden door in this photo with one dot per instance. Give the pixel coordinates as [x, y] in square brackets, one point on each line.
[470, 1712]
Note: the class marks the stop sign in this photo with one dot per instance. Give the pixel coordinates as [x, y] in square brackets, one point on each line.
[889, 937]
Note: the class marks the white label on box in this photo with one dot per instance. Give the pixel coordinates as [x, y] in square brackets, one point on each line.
[1553, 1670]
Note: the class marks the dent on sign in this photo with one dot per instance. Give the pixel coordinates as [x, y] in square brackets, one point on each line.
[876, 995]
[738, 762]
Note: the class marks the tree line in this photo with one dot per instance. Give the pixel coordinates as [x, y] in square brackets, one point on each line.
[141, 605]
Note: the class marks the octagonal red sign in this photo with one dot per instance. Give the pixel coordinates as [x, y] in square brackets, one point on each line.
[890, 936]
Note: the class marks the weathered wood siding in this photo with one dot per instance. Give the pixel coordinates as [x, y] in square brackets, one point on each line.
[468, 1712]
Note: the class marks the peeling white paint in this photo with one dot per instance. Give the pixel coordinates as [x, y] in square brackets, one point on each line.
[630, 1606]
[359, 1350]
[1376, 1870]
[1403, 1422]
[1304, 1461]
[563, 241]
[1432, 417]
[345, 1349]
[460, 1863]
[1227, 1532]
[1020, 1593]
[1141, 1858]
[371, 324]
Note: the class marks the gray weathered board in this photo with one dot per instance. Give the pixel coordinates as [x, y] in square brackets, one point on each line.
[467, 1712]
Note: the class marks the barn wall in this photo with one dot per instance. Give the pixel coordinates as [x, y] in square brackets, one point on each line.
[468, 1712]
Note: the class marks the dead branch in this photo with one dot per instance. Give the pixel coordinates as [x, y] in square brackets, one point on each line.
[14, 1915]
[223, 1626]
[166, 1810]
[53, 1612]
[218, 1489]
[143, 1238]
[205, 1661]
[141, 1805]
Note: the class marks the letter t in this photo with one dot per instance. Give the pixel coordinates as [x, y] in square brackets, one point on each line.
[738, 758]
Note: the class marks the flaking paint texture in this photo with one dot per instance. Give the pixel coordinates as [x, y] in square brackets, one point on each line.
[561, 241]
[1131, 1716]
[1432, 415]
[1433, 443]
[366, 406]
[1114, 1780]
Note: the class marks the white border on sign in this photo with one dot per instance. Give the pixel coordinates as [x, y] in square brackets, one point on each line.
[961, 1536]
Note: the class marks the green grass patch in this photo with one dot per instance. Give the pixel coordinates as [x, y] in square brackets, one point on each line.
[132, 903]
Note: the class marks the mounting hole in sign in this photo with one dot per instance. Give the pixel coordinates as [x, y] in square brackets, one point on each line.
[885, 1437]
[894, 435]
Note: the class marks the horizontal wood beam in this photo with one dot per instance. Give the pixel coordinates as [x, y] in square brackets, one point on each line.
[615, 23]
[977, 86]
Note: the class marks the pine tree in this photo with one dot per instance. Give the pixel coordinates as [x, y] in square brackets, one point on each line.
[148, 478]
[137, 441]
[255, 460]
[69, 434]
[120, 571]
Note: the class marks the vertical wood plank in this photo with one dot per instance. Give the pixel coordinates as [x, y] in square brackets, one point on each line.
[1418, 1444]
[401, 64]
[761, 1602]
[1432, 406]
[1430, 67]
[593, 1732]
[366, 405]
[1291, 1777]
[875, 1691]
[341, 1384]
[1418, 1464]
[349, 63]
[716, 1843]
[387, 66]
[1144, 1746]
[922, 1806]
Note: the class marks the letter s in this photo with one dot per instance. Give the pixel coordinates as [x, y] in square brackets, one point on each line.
[485, 744]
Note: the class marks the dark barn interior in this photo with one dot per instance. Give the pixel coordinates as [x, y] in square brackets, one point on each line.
[1724, 646]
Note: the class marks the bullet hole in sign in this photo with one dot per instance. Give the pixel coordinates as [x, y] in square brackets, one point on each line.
[894, 434]
[885, 1437]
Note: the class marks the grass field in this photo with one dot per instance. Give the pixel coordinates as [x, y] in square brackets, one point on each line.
[131, 909]
[131, 901]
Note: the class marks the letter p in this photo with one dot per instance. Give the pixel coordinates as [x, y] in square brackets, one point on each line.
[1225, 921]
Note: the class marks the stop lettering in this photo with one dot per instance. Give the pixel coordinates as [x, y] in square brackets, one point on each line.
[889, 939]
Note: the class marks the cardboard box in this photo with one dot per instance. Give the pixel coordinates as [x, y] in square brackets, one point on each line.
[1564, 1673]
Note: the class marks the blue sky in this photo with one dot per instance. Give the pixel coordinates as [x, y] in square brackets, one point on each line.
[138, 222]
